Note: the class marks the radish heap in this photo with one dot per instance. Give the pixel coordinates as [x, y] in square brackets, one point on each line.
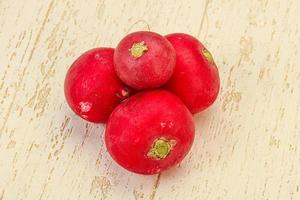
[146, 90]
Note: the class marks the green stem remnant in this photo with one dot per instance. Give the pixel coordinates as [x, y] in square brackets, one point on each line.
[208, 56]
[161, 148]
[138, 49]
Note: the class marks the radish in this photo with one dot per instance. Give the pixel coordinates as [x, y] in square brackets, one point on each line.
[144, 60]
[150, 132]
[92, 88]
[196, 78]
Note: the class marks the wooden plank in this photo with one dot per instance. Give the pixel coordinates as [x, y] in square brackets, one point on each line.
[246, 145]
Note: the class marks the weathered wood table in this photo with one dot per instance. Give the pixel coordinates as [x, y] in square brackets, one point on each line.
[247, 145]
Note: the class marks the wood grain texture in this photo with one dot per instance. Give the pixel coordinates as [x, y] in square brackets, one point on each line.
[247, 145]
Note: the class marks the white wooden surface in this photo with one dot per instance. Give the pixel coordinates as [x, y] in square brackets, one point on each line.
[247, 145]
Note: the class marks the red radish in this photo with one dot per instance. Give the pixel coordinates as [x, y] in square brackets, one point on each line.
[92, 88]
[196, 78]
[144, 60]
[150, 132]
